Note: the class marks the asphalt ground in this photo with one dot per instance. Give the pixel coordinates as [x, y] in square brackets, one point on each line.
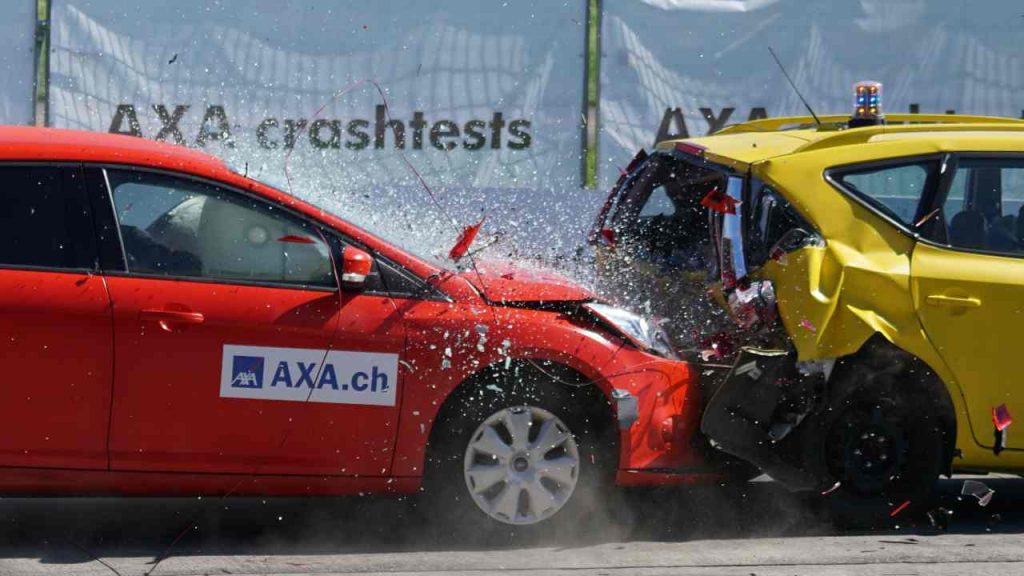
[760, 529]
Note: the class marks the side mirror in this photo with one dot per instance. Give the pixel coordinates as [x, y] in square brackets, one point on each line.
[355, 267]
[793, 240]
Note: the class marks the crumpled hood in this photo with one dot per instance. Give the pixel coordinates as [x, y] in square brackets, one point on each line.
[504, 282]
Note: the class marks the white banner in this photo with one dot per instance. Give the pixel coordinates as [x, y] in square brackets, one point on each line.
[483, 97]
[17, 57]
[686, 67]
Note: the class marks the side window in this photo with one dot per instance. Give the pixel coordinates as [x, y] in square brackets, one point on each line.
[178, 227]
[44, 219]
[984, 206]
[894, 190]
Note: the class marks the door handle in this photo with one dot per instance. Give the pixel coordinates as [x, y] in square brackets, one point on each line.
[168, 318]
[953, 301]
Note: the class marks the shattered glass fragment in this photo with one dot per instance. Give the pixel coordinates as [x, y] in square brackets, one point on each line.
[979, 490]
[832, 489]
[939, 518]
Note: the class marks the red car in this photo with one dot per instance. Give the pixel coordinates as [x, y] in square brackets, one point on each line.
[169, 326]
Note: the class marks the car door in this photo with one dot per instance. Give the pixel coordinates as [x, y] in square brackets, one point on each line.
[235, 351]
[968, 283]
[56, 340]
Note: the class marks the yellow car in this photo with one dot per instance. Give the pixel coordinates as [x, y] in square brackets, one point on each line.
[872, 274]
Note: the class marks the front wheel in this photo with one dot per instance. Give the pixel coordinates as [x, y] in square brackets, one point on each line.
[518, 455]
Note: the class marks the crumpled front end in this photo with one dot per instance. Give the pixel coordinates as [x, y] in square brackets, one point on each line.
[657, 403]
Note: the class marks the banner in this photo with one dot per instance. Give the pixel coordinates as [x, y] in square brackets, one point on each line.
[17, 30]
[676, 68]
[482, 97]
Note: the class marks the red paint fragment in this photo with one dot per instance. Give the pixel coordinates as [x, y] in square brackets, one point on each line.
[609, 236]
[295, 239]
[719, 202]
[1001, 417]
[465, 241]
[806, 325]
[899, 509]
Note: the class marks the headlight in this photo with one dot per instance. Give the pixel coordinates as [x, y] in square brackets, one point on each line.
[643, 333]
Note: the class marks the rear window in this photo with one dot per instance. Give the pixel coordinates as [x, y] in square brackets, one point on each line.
[657, 213]
[44, 221]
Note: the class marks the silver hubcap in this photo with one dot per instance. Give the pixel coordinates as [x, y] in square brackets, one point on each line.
[521, 465]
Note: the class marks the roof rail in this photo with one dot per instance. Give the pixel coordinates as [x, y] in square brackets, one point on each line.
[836, 122]
[862, 135]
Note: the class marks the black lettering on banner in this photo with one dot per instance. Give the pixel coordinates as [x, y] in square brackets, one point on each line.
[472, 130]
[381, 126]
[222, 130]
[497, 123]
[314, 133]
[125, 111]
[261, 134]
[170, 122]
[292, 128]
[444, 129]
[757, 113]
[670, 117]
[716, 124]
[362, 137]
[515, 132]
[417, 125]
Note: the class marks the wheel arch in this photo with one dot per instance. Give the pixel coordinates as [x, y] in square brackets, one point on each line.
[880, 353]
[504, 373]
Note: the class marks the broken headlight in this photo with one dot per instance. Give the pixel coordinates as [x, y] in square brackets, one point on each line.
[643, 333]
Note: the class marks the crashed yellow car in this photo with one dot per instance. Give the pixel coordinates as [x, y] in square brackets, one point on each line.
[860, 283]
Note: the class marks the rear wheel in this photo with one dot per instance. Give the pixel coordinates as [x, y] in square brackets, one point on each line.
[883, 443]
[514, 455]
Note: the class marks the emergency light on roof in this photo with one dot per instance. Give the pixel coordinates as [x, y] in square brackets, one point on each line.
[867, 104]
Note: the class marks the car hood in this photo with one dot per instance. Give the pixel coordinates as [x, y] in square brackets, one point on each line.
[506, 283]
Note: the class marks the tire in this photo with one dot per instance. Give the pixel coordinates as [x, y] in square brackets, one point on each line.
[489, 468]
[882, 439]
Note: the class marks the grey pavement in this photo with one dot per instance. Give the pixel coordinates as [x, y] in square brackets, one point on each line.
[760, 530]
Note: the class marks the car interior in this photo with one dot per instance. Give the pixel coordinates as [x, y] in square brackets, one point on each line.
[985, 204]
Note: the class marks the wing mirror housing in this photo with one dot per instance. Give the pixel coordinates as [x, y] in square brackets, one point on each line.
[355, 268]
[793, 240]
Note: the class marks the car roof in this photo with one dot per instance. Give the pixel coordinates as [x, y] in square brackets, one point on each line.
[738, 146]
[56, 144]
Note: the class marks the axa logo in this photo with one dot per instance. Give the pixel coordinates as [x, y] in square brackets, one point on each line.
[303, 374]
[247, 372]
[309, 375]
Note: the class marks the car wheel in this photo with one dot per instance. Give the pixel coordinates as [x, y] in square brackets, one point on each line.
[883, 444]
[511, 457]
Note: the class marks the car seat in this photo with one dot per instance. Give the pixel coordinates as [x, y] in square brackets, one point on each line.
[238, 241]
[968, 229]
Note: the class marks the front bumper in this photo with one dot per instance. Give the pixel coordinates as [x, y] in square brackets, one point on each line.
[657, 403]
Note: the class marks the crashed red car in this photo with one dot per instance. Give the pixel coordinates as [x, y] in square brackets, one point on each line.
[173, 327]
